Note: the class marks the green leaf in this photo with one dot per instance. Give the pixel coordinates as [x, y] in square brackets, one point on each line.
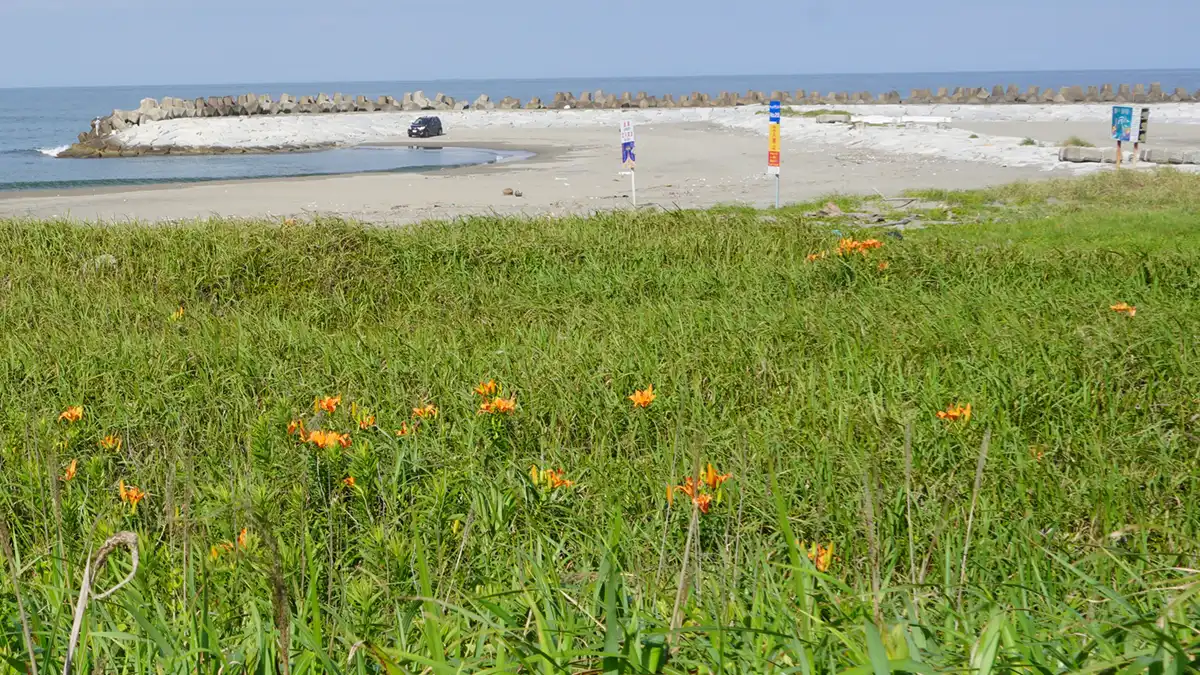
[983, 653]
[876, 651]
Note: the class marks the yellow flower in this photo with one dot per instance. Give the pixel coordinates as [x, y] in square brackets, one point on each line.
[72, 414]
[178, 314]
[69, 475]
[644, 397]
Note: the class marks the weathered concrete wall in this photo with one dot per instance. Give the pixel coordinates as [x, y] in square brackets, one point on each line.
[1109, 156]
[98, 141]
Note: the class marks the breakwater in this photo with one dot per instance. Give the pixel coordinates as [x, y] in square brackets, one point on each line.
[101, 139]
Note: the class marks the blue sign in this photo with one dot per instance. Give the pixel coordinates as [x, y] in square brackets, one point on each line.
[775, 110]
[627, 157]
[1122, 123]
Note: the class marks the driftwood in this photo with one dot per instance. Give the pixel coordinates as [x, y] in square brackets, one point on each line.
[130, 541]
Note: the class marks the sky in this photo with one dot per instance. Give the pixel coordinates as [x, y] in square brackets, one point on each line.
[142, 42]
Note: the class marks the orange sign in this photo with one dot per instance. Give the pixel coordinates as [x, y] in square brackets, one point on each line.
[773, 148]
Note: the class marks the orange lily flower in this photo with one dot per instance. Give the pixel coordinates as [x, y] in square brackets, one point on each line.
[703, 502]
[1125, 308]
[850, 245]
[498, 406]
[820, 556]
[178, 314]
[486, 389]
[72, 414]
[883, 265]
[241, 538]
[217, 549]
[713, 480]
[812, 257]
[328, 404]
[296, 427]
[131, 494]
[551, 478]
[426, 411]
[644, 397]
[366, 422]
[329, 439]
[111, 442]
[689, 487]
[69, 474]
[404, 429]
[956, 412]
[348, 481]
[670, 495]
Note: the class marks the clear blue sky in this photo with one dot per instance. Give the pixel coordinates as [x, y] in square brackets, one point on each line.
[100, 42]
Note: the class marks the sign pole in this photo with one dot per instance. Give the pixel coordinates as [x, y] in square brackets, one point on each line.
[773, 145]
[628, 158]
[1143, 129]
[1118, 154]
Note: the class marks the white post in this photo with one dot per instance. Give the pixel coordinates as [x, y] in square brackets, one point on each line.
[633, 186]
[777, 191]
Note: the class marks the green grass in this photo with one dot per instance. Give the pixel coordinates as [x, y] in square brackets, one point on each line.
[1071, 546]
[1075, 141]
[1028, 142]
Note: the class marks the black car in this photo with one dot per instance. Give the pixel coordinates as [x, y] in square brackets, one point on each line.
[424, 127]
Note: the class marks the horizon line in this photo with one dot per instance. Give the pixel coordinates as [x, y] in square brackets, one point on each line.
[600, 77]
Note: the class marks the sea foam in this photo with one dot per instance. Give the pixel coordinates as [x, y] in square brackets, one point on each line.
[53, 152]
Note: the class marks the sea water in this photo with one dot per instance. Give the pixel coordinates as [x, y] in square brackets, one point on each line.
[37, 123]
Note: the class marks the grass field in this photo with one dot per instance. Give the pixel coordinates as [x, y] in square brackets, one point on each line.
[1054, 528]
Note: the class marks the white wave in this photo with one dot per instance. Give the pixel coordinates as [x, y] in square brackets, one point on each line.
[53, 152]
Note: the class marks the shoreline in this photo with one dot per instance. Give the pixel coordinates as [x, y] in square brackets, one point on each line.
[78, 191]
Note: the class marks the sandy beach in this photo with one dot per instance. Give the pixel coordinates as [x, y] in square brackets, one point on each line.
[687, 158]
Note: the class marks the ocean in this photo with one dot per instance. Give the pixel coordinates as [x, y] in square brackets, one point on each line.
[37, 123]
